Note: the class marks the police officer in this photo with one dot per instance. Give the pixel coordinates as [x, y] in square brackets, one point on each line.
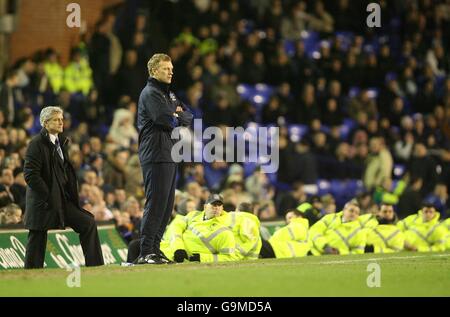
[159, 112]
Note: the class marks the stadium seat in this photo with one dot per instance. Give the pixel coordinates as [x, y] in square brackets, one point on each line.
[297, 131]
[399, 170]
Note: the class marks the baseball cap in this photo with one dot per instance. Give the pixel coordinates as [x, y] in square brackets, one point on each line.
[214, 198]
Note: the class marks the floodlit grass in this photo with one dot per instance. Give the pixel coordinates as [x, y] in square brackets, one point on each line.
[404, 274]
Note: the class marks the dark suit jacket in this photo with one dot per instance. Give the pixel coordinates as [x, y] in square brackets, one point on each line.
[46, 195]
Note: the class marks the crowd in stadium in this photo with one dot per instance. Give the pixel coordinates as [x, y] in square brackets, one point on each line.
[364, 113]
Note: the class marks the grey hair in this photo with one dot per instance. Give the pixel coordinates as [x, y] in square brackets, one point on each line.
[47, 113]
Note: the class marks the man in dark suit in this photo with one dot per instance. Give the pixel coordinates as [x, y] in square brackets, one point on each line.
[52, 200]
[159, 112]
[7, 97]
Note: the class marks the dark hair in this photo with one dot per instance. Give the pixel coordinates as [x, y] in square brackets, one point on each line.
[246, 207]
[296, 212]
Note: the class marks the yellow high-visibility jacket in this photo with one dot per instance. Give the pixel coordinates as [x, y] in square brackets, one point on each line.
[168, 234]
[347, 238]
[386, 239]
[291, 241]
[446, 225]
[78, 77]
[55, 74]
[209, 238]
[318, 230]
[425, 236]
[368, 221]
[414, 220]
[245, 227]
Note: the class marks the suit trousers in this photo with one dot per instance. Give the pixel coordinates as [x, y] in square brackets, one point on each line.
[81, 223]
[159, 184]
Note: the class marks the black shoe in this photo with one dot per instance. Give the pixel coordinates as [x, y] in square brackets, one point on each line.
[165, 259]
[149, 259]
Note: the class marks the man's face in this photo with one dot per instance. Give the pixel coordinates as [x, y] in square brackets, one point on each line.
[428, 213]
[289, 216]
[190, 206]
[213, 210]
[351, 213]
[56, 124]
[387, 212]
[164, 72]
[7, 177]
[90, 178]
[122, 158]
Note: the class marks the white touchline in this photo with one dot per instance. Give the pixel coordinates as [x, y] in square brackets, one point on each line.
[386, 258]
[341, 261]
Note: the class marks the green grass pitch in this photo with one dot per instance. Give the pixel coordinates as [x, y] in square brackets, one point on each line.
[403, 274]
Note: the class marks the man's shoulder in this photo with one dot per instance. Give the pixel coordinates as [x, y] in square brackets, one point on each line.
[151, 89]
[36, 139]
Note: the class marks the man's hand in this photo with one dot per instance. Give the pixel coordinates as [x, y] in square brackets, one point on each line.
[179, 109]
[409, 247]
[180, 255]
[330, 250]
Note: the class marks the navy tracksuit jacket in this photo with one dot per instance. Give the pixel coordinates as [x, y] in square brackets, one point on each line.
[156, 121]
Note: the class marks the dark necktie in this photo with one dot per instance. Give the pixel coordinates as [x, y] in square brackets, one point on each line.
[58, 148]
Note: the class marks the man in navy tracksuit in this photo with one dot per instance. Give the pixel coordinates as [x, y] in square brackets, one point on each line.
[159, 112]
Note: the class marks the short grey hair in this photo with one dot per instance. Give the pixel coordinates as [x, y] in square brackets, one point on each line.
[153, 63]
[47, 113]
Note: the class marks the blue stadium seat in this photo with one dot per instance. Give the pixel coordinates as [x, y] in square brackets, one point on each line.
[324, 187]
[372, 92]
[297, 131]
[245, 91]
[399, 170]
[213, 176]
[353, 92]
[346, 127]
[289, 47]
[346, 39]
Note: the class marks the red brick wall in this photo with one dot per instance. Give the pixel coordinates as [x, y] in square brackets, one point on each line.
[42, 24]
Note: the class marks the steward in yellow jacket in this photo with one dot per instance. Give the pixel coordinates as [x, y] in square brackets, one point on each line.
[423, 232]
[339, 233]
[386, 237]
[78, 75]
[201, 236]
[446, 225]
[54, 71]
[311, 210]
[291, 241]
[245, 227]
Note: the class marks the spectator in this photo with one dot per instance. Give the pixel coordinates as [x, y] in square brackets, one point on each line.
[10, 215]
[379, 164]
[78, 74]
[114, 169]
[7, 98]
[411, 199]
[7, 180]
[439, 198]
[292, 199]
[423, 166]
[123, 132]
